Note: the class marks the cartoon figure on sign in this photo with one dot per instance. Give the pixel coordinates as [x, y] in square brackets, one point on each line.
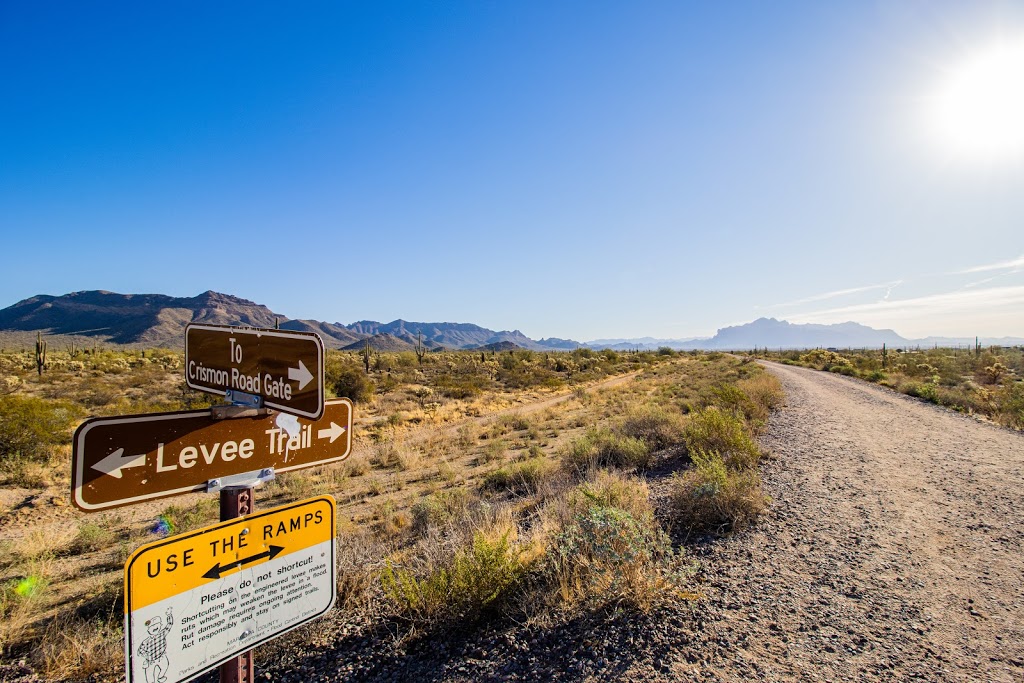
[153, 649]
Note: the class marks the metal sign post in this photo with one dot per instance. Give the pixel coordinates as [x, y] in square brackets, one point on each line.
[237, 502]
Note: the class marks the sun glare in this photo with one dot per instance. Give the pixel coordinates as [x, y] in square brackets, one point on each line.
[978, 111]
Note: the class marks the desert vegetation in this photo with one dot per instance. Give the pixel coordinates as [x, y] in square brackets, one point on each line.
[983, 381]
[481, 486]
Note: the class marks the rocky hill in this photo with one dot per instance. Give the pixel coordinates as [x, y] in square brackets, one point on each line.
[142, 319]
[782, 334]
[159, 320]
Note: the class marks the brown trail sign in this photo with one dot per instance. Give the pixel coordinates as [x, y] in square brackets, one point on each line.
[133, 458]
[283, 367]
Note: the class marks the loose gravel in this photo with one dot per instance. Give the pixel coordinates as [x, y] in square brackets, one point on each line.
[891, 551]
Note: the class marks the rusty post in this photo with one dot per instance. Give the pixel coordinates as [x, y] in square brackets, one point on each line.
[237, 502]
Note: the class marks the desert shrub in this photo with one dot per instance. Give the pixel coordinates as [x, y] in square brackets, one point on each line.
[713, 430]
[73, 648]
[764, 392]
[656, 427]
[604, 448]
[1011, 405]
[30, 427]
[475, 578]
[350, 382]
[521, 478]
[514, 421]
[399, 456]
[715, 498]
[728, 396]
[923, 390]
[92, 536]
[439, 509]
[613, 490]
[824, 360]
[494, 450]
[604, 555]
[462, 386]
[176, 519]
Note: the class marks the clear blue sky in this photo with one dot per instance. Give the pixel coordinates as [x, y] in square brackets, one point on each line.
[572, 169]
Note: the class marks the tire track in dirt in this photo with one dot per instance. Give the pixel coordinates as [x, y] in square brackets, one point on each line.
[892, 549]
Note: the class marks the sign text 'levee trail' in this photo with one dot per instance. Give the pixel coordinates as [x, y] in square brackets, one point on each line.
[132, 458]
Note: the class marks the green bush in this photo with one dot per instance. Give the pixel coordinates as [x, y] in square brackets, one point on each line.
[1011, 411]
[656, 427]
[351, 383]
[521, 478]
[474, 579]
[715, 498]
[607, 555]
[604, 448]
[30, 427]
[713, 430]
[439, 509]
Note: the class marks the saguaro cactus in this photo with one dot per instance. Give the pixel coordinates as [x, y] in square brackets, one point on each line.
[420, 351]
[40, 353]
[885, 356]
[366, 355]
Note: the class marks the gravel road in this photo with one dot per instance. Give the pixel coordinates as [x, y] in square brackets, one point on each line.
[892, 551]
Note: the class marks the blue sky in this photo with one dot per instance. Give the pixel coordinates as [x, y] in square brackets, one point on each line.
[571, 169]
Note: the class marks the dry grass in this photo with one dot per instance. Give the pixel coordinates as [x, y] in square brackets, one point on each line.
[711, 497]
[72, 647]
[465, 501]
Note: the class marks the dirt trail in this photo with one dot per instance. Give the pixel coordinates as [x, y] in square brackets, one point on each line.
[892, 550]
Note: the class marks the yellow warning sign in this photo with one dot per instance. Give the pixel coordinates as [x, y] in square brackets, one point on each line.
[195, 600]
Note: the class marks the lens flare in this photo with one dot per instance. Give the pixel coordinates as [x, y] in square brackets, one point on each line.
[979, 110]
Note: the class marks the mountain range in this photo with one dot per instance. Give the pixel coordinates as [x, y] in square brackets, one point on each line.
[151, 320]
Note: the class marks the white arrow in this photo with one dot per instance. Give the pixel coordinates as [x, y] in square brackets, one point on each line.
[117, 461]
[334, 431]
[300, 375]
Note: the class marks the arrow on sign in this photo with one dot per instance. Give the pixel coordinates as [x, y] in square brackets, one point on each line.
[334, 431]
[301, 374]
[217, 570]
[117, 461]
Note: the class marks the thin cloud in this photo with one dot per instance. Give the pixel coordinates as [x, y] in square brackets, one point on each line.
[1001, 265]
[963, 309]
[887, 286]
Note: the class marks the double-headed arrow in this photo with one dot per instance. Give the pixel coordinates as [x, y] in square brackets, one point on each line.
[217, 570]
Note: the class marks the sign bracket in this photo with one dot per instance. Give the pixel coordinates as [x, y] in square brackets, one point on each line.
[227, 412]
[245, 480]
[241, 398]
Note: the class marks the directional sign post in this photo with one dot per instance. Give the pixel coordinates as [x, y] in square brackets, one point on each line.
[133, 458]
[197, 600]
[284, 368]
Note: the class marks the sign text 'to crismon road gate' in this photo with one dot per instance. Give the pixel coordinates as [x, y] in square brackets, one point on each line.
[283, 367]
[196, 600]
